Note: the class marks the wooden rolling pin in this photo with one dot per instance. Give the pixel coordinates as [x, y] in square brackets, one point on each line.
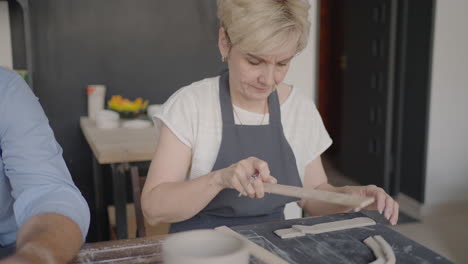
[353, 201]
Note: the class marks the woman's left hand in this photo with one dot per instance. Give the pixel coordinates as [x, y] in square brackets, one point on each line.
[383, 203]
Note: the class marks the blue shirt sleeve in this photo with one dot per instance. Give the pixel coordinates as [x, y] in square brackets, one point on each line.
[33, 162]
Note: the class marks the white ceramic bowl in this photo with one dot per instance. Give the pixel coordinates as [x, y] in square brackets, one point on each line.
[204, 246]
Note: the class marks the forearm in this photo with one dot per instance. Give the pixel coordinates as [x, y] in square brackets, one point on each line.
[48, 238]
[318, 208]
[171, 202]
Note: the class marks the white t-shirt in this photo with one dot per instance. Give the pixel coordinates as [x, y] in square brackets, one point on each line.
[193, 114]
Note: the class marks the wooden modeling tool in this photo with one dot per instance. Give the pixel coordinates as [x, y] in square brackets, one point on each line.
[353, 201]
[302, 230]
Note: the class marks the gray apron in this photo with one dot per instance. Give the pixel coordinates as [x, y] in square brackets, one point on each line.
[238, 142]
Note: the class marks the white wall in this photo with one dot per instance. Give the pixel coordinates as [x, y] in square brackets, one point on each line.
[6, 59]
[302, 75]
[447, 160]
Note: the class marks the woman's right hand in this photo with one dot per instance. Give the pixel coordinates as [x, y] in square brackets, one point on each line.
[238, 176]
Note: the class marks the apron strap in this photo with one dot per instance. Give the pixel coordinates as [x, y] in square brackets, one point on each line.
[225, 99]
[274, 108]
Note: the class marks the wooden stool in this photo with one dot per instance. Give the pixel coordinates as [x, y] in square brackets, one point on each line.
[137, 186]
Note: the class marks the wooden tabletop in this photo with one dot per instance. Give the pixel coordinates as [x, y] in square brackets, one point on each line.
[342, 246]
[119, 145]
[140, 250]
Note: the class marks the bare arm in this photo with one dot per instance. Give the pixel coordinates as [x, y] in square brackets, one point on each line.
[46, 238]
[315, 178]
[167, 197]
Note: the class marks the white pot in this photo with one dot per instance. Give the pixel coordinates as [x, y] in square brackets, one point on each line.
[204, 247]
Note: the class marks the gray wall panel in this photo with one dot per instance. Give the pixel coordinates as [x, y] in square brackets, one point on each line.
[141, 48]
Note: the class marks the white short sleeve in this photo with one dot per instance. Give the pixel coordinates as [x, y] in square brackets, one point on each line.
[178, 114]
[322, 140]
[304, 130]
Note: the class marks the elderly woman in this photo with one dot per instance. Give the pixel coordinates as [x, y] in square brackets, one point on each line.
[227, 135]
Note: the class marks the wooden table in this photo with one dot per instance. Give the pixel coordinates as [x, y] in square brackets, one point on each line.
[344, 246]
[139, 250]
[116, 147]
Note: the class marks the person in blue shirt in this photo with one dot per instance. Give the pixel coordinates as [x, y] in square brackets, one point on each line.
[43, 216]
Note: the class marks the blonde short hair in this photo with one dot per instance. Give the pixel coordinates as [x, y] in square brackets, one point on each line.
[265, 26]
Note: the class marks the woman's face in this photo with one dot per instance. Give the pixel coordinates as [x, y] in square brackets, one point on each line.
[254, 76]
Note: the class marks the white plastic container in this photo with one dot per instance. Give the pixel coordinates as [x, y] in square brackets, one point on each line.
[107, 119]
[96, 96]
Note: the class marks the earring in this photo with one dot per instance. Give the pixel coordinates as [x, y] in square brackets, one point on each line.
[223, 59]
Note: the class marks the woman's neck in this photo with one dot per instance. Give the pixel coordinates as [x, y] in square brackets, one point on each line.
[256, 106]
